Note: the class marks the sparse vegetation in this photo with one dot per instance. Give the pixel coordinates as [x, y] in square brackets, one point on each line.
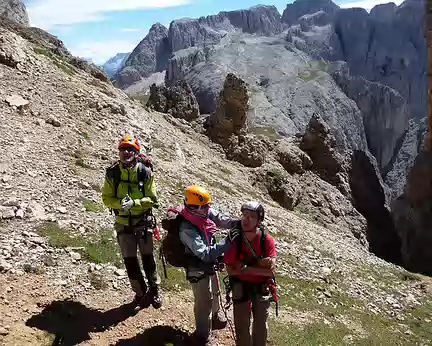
[84, 134]
[176, 278]
[314, 71]
[266, 131]
[57, 61]
[80, 162]
[142, 98]
[100, 247]
[92, 206]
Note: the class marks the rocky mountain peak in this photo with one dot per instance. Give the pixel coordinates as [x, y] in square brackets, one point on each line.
[299, 8]
[15, 11]
[383, 12]
[149, 56]
[158, 29]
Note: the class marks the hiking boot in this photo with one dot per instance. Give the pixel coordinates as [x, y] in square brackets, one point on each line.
[155, 297]
[219, 321]
[141, 302]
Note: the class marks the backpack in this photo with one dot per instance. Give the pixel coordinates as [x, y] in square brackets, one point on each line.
[172, 249]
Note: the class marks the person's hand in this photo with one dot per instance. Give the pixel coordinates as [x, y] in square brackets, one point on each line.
[236, 269]
[267, 263]
[127, 203]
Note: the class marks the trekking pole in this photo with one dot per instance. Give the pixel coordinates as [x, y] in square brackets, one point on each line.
[222, 305]
[162, 257]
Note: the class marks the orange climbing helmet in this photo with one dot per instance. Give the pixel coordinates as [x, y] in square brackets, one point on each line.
[197, 196]
[129, 141]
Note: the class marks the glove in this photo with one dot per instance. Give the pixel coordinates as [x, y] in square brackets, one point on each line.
[145, 203]
[233, 234]
[127, 203]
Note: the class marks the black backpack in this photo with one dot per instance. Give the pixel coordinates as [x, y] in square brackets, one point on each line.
[172, 249]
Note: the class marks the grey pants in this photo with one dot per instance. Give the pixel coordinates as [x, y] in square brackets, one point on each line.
[206, 304]
[129, 243]
[242, 318]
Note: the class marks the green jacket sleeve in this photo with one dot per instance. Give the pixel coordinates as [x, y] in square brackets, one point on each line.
[151, 196]
[108, 195]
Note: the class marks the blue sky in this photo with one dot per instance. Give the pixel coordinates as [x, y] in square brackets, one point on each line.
[98, 29]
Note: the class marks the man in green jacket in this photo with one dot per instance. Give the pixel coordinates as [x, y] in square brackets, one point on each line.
[129, 190]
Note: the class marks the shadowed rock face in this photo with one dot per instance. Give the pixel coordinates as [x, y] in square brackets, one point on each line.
[370, 198]
[388, 46]
[357, 176]
[150, 56]
[384, 112]
[15, 11]
[412, 211]
[300, 8]
[320, 144]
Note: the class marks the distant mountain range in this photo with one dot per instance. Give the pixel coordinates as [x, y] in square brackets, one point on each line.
[115, 64]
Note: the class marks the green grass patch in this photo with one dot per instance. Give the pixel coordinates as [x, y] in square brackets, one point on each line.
[308, 295]
[65, 67]
[176, 278]
[84, 134]
[317, 333]
[61, 64]
[44, 51]
[370, 330]
[420, 320]
[92, 206]
[314, 70]
[100, 247]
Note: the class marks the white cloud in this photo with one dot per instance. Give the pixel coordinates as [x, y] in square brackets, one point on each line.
[368, 4]
[101, 51]
[49, 13]
[131, 30]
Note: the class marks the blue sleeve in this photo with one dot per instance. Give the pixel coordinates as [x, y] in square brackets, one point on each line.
[196, 244]
[222, 221]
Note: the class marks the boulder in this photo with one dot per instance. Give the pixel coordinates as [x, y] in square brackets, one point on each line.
[292, 158]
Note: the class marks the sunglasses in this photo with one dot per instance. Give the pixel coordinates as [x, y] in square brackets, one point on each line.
[129, 149]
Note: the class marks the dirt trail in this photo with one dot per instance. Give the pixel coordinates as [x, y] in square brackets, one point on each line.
[30, 308]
